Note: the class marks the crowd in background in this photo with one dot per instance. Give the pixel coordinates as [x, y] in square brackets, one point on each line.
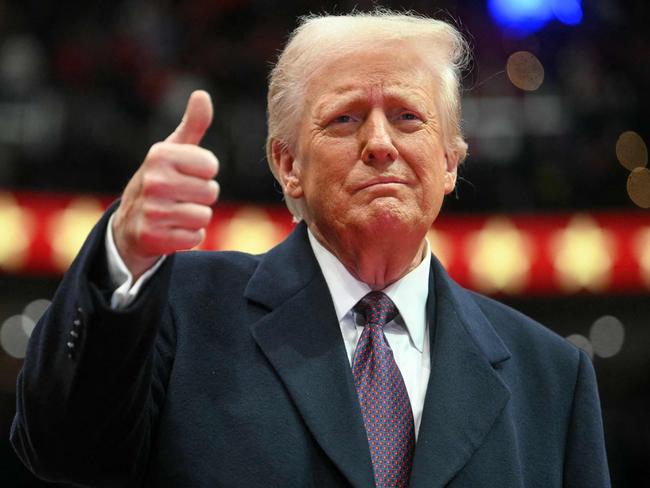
[86, 87]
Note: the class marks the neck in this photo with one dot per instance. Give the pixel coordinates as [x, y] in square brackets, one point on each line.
[379, 262]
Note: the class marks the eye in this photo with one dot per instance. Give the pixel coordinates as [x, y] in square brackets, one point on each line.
[342, 119]
[408, 116]
[343, 124]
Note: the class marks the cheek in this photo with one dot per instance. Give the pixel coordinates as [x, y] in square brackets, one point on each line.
[333, 165]
[432, 181]
[429, 166]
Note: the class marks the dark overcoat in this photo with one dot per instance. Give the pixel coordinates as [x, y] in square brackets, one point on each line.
[230, 370]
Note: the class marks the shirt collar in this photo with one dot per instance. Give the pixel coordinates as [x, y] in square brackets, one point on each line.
[409, 294]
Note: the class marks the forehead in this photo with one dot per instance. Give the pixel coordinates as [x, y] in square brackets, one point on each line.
[391, 71]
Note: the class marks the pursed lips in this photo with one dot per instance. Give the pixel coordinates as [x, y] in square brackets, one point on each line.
[383, 180]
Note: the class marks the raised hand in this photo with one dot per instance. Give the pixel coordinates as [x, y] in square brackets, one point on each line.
[165, 206]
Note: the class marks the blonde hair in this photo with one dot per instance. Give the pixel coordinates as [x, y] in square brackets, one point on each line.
[319, 38]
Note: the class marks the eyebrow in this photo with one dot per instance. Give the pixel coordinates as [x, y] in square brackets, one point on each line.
[336, 99]
[347, 95]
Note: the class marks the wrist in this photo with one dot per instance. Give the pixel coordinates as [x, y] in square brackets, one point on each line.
[135, 263]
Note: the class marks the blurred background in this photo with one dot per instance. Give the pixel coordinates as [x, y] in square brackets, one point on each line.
[551, 213]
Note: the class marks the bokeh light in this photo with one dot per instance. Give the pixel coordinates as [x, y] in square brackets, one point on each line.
[70, 228]
[582, 342]
[568, 12]
[17, 229]
[584, 255]
[17, 329]
[250, 230]
[642, 250]
[499, 257]
[521, 17]
[631, 150]
[607, 335]
[638, 187]
[13, 336]
[524, 17]
[525, 71]
[35, 309]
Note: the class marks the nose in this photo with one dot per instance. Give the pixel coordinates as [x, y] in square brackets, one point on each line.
[377, 142]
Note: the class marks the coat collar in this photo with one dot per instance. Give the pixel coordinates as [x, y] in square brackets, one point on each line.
[301, 338]
[299, 334]
[465, 394]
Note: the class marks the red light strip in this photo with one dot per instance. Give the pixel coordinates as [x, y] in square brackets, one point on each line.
[513, 254]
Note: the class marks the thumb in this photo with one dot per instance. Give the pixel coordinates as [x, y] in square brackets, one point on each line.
[196, 119]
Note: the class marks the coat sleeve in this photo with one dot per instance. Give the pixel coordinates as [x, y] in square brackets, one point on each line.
[93, 381]
[586, 460]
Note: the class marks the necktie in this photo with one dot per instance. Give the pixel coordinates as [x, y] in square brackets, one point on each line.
[385, 404]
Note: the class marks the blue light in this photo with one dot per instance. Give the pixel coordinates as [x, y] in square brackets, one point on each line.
[568, 12]
[524, 17]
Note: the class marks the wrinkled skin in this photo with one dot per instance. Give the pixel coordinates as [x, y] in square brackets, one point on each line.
[370, 164]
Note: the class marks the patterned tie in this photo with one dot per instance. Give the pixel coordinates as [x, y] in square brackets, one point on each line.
[385, 404]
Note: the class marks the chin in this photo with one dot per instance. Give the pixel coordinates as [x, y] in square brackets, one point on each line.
[389, 217]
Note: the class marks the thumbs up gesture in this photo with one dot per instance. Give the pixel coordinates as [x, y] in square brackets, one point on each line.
[165, 206]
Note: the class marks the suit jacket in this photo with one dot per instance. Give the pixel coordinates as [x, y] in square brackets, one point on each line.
[230, 370]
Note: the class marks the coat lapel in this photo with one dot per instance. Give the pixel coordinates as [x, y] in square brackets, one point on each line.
[301, 338]
[464, 395]
[299, 334]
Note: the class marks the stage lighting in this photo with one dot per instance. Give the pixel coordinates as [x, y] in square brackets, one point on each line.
[524, 17]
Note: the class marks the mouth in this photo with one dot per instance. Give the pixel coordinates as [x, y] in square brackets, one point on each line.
[382, 181]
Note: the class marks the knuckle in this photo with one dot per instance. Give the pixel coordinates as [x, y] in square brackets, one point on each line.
[154, 183]
[160, 153]
[157, 151]
[141, 235]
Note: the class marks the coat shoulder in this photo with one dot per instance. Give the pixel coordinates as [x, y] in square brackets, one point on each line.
[207, 260]
[526, 337]
[210, 270]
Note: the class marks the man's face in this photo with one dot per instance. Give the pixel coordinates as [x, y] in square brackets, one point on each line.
[370, 155]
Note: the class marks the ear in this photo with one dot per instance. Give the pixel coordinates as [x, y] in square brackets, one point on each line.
[451, 171]
[287, 169]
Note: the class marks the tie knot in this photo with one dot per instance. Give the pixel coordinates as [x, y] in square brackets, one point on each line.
[376, 308]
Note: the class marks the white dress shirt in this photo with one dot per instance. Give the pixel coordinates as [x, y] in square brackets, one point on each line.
[125, 290]
[407, 335]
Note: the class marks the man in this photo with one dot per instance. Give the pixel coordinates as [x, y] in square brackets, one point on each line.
[345, 356]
